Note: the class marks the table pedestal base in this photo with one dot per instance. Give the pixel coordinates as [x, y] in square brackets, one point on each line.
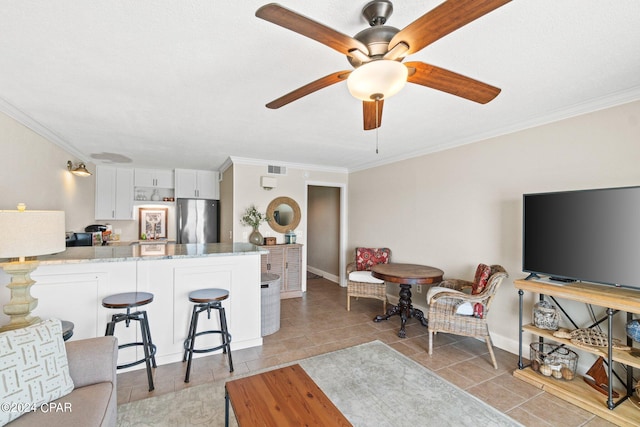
[404, 309]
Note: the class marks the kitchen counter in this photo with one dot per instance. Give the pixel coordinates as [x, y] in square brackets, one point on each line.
[146, 251]
[70, 285]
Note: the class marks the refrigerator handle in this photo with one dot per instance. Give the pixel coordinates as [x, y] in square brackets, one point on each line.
[178, 236]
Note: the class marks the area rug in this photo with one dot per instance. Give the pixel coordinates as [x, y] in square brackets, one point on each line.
[372, 384]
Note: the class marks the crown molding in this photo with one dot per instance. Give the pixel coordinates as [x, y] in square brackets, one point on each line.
[37, 127]
[590, 106]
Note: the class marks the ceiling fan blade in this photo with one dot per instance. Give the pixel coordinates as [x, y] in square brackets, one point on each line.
[369, 114]
[442, 20]
[450, 82]
[300, 24]
[309, 88]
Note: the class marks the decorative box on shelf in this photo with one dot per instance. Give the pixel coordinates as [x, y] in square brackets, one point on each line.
[269, 241]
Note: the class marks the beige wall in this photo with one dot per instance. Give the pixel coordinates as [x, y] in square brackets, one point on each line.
[459, 207]
[247, 191]
[226, 206]
[34, 171]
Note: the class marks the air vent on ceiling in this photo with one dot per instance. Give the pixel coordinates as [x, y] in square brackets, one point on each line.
[277, 170]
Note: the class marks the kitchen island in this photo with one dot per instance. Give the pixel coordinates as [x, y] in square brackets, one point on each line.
[71, 285]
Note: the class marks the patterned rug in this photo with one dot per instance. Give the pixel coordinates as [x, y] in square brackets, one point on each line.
[372, 384]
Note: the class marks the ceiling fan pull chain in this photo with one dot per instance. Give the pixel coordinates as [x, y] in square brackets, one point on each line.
[377, 124]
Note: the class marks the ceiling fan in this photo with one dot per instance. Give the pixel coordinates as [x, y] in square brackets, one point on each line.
[377, 53]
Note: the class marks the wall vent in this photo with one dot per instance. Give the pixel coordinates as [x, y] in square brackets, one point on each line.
[277, 170]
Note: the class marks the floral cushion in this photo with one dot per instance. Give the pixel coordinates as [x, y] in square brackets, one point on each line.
[481, 279]
[368, 257]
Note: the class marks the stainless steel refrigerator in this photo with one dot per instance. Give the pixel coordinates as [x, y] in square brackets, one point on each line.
[198, 221]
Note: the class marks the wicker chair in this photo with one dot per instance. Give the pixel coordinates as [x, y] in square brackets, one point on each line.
[360, 283]
[453, 311]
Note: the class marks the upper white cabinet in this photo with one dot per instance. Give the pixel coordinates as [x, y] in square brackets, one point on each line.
[197, 184]
[153, 178]
[114, 193]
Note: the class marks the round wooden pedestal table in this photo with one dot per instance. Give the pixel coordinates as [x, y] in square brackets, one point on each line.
[406, 275]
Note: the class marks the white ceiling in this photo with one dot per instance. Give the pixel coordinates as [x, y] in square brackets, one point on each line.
[183, 83]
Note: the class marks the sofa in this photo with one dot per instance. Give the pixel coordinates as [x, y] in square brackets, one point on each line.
[93, 401]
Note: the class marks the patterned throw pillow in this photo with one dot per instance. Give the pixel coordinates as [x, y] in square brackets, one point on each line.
[483, 272]
[481, 279]
[368, 257]
[33, 368]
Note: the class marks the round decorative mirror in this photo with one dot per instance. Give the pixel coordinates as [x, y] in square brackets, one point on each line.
[284, 213]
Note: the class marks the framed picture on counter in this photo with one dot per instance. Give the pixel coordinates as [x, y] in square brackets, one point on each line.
[152, 223]
[149, 249]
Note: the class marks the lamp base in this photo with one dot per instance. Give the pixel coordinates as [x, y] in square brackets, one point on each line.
[22, 303]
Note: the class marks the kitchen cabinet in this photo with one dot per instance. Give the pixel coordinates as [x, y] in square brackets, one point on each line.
[153, 178]
[114, 193]
[285, 261]
[198, 184]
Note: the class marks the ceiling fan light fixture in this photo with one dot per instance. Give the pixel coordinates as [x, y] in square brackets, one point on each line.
[373, 79]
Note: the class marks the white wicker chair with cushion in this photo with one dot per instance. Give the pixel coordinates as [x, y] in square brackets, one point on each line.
[454, 311]
[360, 282]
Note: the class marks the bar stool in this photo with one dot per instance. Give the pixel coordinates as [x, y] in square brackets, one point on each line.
[131, 300]
[206, 300]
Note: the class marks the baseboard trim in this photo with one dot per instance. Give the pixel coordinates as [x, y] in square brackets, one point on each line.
[331, 277]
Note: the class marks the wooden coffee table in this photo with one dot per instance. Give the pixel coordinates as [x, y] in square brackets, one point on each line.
[279, 398]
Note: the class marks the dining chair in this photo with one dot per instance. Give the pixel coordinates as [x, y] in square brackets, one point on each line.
[461, 307]
[360, 282]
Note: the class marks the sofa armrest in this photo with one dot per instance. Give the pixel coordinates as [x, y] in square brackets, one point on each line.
[93, 360]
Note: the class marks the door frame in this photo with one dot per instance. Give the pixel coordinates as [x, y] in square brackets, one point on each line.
[343, 224]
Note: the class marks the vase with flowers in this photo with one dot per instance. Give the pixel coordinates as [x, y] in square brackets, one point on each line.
[253, 218]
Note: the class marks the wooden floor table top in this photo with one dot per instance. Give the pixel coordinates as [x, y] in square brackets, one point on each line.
[282, 397]
[408, 274]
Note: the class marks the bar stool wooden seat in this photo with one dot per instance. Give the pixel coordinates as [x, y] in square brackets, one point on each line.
[206, 300]
[129, 300]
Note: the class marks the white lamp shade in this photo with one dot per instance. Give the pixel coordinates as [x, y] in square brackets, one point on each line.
[377, 79]
[31, 233]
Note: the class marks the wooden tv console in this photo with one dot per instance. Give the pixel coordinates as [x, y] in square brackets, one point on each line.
[622, 411]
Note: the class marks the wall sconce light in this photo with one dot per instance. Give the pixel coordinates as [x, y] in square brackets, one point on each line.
[80, 170]
[268, 182]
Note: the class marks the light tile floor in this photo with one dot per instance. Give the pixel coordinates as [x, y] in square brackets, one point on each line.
[319, 323]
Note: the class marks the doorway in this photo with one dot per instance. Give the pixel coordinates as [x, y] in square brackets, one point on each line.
[325, 231]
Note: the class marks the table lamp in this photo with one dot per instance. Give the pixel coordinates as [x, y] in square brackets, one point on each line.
[23, 234]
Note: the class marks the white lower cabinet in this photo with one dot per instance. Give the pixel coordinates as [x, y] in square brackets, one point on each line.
[74, 292]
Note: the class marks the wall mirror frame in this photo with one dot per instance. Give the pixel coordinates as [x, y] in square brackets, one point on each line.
[278, 222]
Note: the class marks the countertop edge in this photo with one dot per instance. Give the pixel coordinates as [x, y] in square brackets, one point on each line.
[103, 254]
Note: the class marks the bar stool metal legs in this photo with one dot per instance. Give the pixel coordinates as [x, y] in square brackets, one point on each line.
[206, 300]
[128, 301]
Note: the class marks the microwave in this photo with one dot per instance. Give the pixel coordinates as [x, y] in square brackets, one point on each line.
[79, 239]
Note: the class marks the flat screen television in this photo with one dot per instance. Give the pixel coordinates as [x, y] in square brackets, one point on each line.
[586, 235]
